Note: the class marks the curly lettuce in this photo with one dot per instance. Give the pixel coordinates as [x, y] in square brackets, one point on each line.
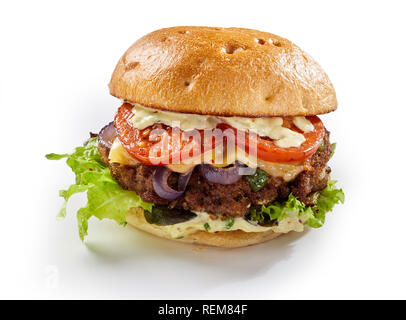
[105, 198]
[314, 216]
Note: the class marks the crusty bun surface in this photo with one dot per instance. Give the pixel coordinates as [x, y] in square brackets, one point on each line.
[224, 239]
[222, 71]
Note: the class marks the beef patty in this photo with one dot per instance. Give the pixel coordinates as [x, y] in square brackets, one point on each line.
[227, 200]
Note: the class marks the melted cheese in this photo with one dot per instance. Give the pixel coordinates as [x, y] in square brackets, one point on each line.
[203, 220]
[180, 168]
[284, 170]
[119, 155]
[269, 126]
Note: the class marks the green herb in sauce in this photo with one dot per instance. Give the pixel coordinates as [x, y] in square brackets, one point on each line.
[229, 223]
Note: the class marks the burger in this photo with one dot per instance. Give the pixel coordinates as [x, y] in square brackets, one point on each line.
[217, 140]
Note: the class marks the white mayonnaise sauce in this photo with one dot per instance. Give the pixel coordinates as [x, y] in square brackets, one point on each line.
[267, 127]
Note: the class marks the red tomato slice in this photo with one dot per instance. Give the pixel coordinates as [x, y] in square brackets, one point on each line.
[267, 150]
[158, 144]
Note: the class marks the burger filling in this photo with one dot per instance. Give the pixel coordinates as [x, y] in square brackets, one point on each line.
[235, 199]
[274, 177]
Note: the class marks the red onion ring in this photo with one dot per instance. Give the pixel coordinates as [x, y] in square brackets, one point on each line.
[221, 175]
[161, 187]
[107, 135]
[184, 179]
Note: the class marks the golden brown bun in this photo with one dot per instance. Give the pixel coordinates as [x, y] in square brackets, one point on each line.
[224, 239]
[222, 71]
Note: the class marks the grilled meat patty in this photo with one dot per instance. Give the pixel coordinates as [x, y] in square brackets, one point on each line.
[227, 200]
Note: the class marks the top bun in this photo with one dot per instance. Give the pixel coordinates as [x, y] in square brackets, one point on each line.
[222, 71]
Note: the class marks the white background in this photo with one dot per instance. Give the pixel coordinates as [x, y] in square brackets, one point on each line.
[56, 59]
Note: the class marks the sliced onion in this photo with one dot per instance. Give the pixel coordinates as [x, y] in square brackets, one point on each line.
[184, 179]
[161, 187]
[107, 135]
[221, 175]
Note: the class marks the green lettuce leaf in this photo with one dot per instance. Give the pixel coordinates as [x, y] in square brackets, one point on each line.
[333, 149]
[314, 216]
[328, 198]
[105, 198]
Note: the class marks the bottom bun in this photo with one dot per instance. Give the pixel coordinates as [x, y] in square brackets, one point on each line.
[223, 239]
